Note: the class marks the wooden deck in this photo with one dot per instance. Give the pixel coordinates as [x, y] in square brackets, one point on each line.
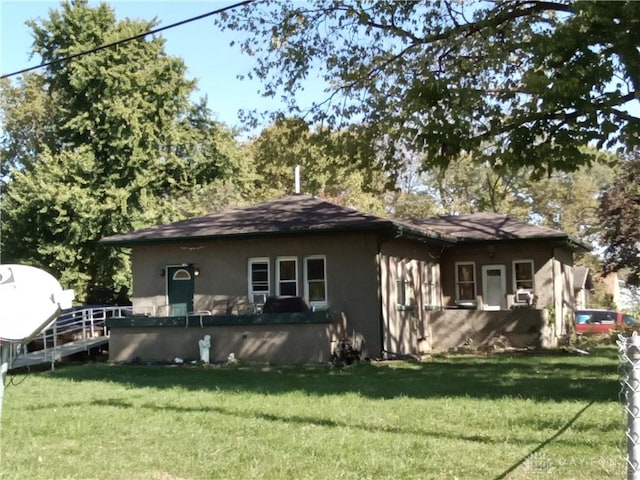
[50, 355]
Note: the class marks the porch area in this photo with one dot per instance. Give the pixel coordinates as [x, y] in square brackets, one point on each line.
[483, 329]
[283, 338]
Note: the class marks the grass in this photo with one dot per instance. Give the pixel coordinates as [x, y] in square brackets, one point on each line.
[465, 417]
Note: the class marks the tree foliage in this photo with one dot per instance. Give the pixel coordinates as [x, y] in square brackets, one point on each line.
[524, 83]
[566, 201]
[104, 143]
[339, 165]
[25, 110]
[619, 215]
[468, 186]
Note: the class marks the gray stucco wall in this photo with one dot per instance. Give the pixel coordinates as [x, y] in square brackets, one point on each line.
[542, 253]
[222, 286]
[285, 344]
[414, 265]
[449, 329]
[565, 301]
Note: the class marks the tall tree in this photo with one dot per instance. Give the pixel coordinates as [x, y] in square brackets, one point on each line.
[340, 165]
[103, 143]
[468, 186]
[569, 201]
[534, 81]
[566, 201]
[25, 110]
[619, 214]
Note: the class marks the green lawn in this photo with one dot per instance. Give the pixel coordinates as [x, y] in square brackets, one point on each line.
[515, 417]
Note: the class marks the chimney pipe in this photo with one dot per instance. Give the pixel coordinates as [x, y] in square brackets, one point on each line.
[296, 175]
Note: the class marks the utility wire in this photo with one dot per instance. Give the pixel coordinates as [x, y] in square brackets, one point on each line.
[129, 39]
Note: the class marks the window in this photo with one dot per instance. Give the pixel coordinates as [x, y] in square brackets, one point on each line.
[182, 274]
[287, 276]
[258, 280]
[629, 320]
[523, 275]
[315, 280]
[286, 279]
[465, 281]
[401, 284]
[434, 282]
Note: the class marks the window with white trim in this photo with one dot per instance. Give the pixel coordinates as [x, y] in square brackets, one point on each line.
[523, 275]
[465, 281]
[315, 280]
[287, 276]
[434, 283]
[258, 280]
[401, 283]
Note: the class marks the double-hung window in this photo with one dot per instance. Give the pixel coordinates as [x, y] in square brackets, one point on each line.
[258, 280]
[523, 275]
[465, 281]
[401, 283]
[315, 280]
[287, 276]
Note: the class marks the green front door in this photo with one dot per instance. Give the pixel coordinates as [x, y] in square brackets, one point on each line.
[180, 289]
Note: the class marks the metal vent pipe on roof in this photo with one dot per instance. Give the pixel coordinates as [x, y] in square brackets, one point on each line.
[296, 177]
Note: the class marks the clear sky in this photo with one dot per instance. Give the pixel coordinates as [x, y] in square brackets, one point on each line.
[203, 47]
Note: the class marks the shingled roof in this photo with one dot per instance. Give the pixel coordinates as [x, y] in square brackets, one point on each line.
[295, 213]
[309, 214]
[487, 227]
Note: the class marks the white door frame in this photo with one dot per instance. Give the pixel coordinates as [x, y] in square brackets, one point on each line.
[503, 287]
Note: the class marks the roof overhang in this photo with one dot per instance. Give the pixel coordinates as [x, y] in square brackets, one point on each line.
[388, 229]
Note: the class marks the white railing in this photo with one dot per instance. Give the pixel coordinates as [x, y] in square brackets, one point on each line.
[81, 324]
[74, 325]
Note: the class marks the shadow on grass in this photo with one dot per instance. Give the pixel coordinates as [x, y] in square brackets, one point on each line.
[591, 378]
[365, 427]
[539, 447]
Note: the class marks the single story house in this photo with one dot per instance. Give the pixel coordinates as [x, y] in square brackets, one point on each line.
[392, 287]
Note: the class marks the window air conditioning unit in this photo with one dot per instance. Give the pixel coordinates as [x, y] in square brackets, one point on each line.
[259, 298]
[524, 297]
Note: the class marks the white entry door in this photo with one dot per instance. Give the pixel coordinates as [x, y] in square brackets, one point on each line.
[494, 287]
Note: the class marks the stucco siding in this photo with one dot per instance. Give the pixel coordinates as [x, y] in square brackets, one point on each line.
[500, 254]
[222, 286]
[449, 329]
[412, 268]
[295, 343]
[565, 299]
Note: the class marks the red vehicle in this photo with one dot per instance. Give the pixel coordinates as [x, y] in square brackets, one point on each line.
[602, 321]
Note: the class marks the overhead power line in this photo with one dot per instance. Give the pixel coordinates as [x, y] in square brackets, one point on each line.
[129, 39]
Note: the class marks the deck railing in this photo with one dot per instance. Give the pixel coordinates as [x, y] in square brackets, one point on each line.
[79, 325]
